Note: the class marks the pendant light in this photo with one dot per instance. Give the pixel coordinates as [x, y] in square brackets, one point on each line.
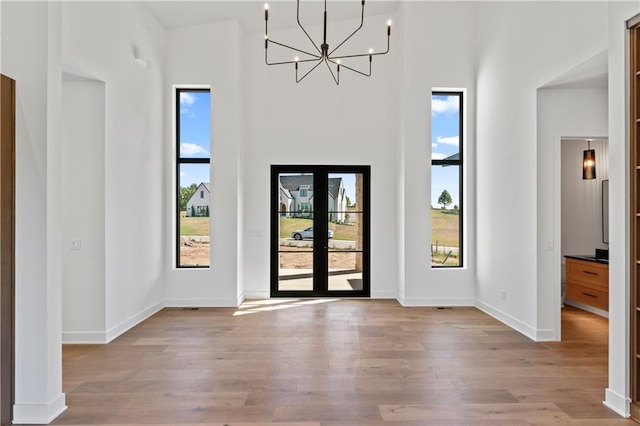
[589, 162]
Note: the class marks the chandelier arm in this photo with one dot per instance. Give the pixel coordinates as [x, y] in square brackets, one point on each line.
[337, 80]
[308, 72]
[316, 57]
[292, 62]
[353, 33]
[302, 28]
[341, 65]
[360, 55]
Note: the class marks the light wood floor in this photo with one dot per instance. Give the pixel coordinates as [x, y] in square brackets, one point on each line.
[339, 362]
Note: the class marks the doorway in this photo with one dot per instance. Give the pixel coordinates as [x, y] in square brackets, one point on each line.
[584, 223]
[320, 231]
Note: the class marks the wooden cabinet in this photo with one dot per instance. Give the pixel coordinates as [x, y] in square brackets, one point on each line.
[587, 282]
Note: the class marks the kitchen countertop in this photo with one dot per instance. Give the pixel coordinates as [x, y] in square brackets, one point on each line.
[588, 258]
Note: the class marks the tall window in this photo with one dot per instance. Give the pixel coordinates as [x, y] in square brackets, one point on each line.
[193, 136]
[446, 179]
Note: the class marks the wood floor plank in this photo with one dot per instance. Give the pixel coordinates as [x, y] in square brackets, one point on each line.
[467, 412]
[334, 362]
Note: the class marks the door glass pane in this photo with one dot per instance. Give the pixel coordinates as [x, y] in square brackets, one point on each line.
[345, 230]
[295, 211]
[195, 217]
[296, 270]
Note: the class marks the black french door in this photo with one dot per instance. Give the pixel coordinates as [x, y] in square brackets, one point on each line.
[320, 231]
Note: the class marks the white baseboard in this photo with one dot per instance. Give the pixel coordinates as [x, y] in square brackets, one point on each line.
[512, 322]
[547, 335]
[587, 308]
[40, 414]
[436, 301]
[132, 321]
[201, 303]
[104, 337]
[249, 295]
[84, 337]
[384, 295]
[617, 403]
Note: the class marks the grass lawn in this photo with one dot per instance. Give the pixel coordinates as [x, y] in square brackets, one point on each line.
[445, 227]
[194, 225]
[445, 231]
[340, 232]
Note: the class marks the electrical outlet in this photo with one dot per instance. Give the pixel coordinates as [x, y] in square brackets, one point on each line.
[76, 244]
[503, 294]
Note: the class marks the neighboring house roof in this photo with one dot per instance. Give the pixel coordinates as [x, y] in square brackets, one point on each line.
[195, 193]
[334, 186]
[293, 183]
[455, 156]
[285, 191]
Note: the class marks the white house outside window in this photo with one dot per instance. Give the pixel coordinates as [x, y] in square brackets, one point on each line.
[193, 191]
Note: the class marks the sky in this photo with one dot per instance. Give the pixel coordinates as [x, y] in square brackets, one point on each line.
[195, 142]
[195, 136]
[445, 141]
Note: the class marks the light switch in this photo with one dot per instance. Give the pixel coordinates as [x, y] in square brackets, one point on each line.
[76, 244]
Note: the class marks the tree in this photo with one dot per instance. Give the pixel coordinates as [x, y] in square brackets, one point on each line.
[445, 199]
[185, 193]
[348, 201]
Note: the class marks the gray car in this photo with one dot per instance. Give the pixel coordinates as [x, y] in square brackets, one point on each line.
[307, 234]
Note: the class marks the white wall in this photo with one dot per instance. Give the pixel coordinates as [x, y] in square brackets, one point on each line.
[562, 113]
[34, 63]
[432, 61]
[207, 55]
[317, 122]
[83, 196]
[515, 58]
[98, 40]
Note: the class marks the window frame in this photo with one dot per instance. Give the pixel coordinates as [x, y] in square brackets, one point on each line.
[460, 162]
[189, 160]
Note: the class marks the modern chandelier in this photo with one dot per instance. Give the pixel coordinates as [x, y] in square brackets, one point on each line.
[322, 53]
